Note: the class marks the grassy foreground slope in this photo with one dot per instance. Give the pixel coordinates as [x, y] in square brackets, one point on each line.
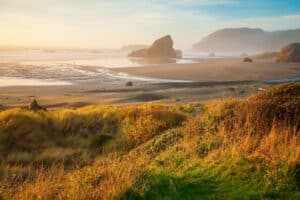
[229, 149]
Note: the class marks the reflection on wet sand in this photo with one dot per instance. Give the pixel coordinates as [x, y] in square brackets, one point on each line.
[15, 81]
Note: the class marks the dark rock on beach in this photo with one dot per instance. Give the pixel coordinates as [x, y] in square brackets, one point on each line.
[248, 59]
[129, 84]
[34, 106]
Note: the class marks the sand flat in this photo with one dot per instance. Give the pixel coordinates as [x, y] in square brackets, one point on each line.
[226, 69]
[214, 78]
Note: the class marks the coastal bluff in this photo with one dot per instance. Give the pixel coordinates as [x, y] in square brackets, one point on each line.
[290, 53]
[161, 48]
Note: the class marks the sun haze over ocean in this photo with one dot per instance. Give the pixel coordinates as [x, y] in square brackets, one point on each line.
[111, 24]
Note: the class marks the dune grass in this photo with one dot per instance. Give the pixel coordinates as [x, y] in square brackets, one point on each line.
[227, 149]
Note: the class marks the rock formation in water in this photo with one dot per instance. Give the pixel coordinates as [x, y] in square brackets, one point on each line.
[161, 48]
[290, 53]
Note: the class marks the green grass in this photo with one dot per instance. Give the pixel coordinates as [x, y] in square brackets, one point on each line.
[233, 179]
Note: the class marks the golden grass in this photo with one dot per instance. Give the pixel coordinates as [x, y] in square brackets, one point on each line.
[254, 139]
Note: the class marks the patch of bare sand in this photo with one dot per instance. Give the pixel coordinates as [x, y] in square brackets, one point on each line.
[227, 69]
[53, 97]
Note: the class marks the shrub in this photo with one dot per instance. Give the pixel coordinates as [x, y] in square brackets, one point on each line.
[99, 140]
[141, 127]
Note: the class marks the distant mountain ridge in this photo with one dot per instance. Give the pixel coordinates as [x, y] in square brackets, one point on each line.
[246, 40]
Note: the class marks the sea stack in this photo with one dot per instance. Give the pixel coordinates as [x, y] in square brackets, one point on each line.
[161, 48]
[290, 53]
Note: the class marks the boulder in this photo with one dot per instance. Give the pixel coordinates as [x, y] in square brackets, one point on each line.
[129, 84]
[161, 48]
[248, 60]
[290, 53]
[34, 106]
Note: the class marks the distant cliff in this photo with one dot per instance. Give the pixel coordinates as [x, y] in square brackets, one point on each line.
[246, 40]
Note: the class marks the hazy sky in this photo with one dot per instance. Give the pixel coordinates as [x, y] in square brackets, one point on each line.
[113, 23]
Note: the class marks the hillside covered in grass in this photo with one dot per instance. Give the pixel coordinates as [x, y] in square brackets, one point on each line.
[227, 149]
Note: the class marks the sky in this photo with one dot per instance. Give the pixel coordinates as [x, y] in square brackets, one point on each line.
[114, 23]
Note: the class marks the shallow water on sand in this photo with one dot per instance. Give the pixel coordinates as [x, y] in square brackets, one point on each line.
[63, 67]
[14, 81]
[65, 74]
[37, 67]
[284, 80]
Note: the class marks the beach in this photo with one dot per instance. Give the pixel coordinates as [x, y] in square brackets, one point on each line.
[74, 86]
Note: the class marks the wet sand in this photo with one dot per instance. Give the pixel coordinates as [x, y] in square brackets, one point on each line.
[227, 69]
[53, 97]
